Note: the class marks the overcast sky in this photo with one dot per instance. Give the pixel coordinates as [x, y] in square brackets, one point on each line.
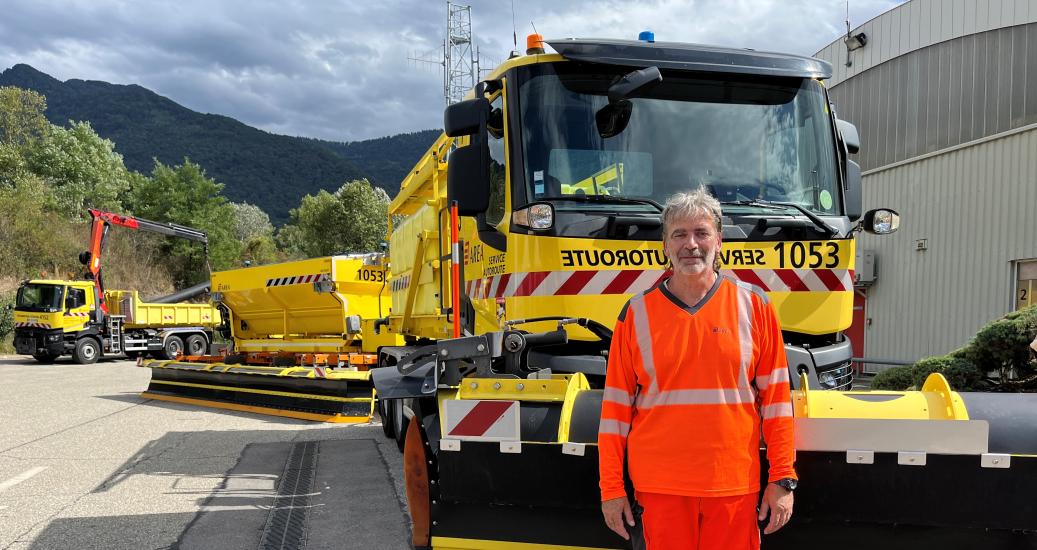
[339, 69]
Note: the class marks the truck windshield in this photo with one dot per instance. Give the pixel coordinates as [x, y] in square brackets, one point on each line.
[744, 138]
[40, 297]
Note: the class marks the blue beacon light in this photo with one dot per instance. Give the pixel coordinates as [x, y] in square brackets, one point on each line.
[646, 36]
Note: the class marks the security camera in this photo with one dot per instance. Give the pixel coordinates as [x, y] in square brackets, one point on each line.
[856, 41]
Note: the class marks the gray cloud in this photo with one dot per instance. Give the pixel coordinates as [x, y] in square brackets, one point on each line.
[339, 70]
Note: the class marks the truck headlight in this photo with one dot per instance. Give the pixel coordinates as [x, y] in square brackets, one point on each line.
[826, 379]
[535, 216]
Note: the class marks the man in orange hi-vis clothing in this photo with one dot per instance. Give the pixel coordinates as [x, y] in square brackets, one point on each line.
[696, 366]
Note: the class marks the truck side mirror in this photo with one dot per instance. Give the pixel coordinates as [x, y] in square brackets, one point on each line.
[881, 221]
[849, 135]
[853, 194]
[468, 168]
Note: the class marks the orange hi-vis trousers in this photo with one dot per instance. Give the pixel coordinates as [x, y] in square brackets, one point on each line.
[674, 522]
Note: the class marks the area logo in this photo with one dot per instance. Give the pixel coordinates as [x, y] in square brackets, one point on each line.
[721, 330]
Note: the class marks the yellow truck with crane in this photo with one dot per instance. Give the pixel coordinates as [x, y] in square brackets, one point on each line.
[498, 425]
[84, 319]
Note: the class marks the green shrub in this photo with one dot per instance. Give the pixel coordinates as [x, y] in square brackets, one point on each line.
[963, 376]
[1003, 345]
[893, 378]
[6, 315]
[960, 373]
[7, 322]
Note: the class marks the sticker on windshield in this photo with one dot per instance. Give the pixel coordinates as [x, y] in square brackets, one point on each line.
[826, 199]
[538, 182]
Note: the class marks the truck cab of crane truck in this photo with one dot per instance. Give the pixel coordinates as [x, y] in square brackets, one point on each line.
[542, 238]
[52, 316]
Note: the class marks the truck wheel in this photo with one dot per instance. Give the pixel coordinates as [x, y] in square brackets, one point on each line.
[384, 407]
[195, 344]
[172, 347]
[399, 423]
[45, 358]
[88, 351]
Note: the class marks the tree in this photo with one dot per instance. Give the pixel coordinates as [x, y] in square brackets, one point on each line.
[33, 239]
[185, 196]
[354, 219]
[82, 167]
[21, 123]
[250, 221]
[254, 231]
[21, 116]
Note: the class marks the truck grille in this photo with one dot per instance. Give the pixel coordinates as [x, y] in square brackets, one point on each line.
[839, 378]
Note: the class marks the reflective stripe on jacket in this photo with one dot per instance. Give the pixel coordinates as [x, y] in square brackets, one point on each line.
[687, 390]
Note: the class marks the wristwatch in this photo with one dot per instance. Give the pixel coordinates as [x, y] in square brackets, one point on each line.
[788, 483]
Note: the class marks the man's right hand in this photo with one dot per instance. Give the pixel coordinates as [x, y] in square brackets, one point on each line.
[616, 511]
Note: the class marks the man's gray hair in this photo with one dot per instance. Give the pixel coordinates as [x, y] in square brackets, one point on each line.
[691, 205]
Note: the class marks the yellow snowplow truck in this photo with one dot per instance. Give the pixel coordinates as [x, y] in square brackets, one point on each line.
[499, 426]
[87, 321]
[298, 332]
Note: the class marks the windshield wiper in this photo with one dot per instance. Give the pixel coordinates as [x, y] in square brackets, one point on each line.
[607, 199]
[818, 222]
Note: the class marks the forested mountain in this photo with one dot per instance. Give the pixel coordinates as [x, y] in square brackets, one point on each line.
[385, 161]
[269, 170]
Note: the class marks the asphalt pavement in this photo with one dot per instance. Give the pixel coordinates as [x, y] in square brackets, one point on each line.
[86, 463]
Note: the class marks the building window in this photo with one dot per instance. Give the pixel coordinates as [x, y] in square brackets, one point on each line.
[1026, 284]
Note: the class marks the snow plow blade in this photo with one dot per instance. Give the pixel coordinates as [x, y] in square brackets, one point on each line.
[913, 470]
[319, 394]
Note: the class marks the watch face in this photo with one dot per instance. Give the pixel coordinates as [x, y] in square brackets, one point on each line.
[788, 484]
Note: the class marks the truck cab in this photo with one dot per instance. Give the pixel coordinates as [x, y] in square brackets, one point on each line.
[562, 162]
[47, 310]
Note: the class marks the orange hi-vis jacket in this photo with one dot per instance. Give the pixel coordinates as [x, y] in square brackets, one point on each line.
[685, 392]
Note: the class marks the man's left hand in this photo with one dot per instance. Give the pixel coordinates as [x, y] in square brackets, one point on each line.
[778, 501]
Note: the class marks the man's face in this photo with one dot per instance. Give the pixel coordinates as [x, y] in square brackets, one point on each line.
[691, 244]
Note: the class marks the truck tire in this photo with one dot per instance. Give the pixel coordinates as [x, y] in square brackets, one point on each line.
[88, 351]
[45, 358]
[399, 423]
[172, 347]
[386, 418]
[195, 344]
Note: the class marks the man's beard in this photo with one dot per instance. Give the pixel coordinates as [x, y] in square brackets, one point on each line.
[704, 265]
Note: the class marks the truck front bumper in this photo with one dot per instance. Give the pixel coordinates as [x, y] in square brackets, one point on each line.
[827, 368]
[39, 342]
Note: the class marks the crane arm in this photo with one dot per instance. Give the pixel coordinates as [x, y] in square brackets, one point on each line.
[101, 221]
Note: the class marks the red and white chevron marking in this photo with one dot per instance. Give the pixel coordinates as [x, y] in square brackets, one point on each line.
[297, 280]
[481, 420]
[31, 324]
[77, 314]
[795, 280]
[573, 283]
[565, 283]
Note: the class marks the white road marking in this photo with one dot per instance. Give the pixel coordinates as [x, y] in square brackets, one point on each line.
[5, 485]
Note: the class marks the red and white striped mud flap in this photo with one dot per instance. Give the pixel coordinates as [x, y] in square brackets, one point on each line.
[481, 420]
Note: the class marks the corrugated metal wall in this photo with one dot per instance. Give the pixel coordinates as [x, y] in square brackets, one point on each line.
[921, 23]
[953, 92]
[977, 208]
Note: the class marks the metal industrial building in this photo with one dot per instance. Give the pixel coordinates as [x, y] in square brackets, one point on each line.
[944, 95]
